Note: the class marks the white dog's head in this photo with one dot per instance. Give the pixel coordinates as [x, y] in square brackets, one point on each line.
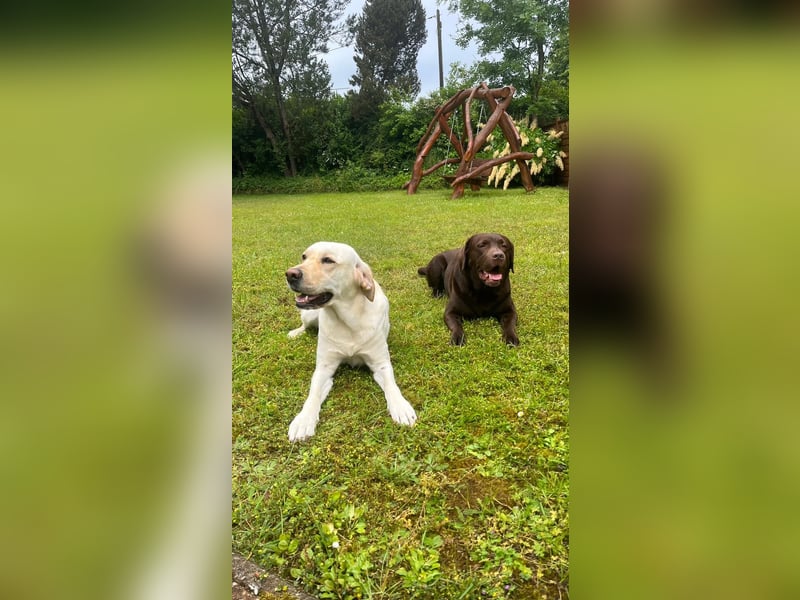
[329, 271]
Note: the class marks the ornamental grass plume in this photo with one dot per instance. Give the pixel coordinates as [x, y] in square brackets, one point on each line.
[514, 171]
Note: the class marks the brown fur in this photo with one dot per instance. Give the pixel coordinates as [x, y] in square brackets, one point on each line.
[475, 279]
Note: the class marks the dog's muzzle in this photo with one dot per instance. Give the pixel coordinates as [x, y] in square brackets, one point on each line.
[294, 278]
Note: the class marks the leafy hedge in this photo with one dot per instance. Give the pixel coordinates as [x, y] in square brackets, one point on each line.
[351, 179]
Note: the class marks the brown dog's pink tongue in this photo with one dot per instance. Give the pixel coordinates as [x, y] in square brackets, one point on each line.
[494, 276]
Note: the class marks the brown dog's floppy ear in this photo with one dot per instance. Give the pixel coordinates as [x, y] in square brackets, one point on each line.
[365, 280]
[510, 253]
[464, 258]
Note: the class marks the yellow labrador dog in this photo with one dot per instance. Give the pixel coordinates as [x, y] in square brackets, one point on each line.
[338, 295]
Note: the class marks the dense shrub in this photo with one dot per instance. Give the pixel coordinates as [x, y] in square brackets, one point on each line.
[350, 179]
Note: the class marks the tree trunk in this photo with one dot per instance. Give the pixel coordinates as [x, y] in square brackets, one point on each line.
[537, 83]
[273, 62]
[239, 163]
[287, 133]
[246, 97]
[270, 135]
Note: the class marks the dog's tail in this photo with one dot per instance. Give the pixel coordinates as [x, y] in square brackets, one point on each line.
[423, 271]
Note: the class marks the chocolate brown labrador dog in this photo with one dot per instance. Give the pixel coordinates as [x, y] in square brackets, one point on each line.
[475, 280]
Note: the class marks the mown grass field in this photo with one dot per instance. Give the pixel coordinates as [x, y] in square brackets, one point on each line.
[469, 503]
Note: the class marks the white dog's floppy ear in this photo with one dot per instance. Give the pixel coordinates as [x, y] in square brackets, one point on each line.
[365, 280]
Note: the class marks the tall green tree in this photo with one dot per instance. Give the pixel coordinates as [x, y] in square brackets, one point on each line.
[388, 37]
[276, 53]
[525, 44]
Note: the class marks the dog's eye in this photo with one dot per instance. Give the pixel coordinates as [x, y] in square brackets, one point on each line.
[328, 260]
[304, 256]
[481, 244]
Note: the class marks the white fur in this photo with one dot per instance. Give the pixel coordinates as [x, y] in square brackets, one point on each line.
[353, 328]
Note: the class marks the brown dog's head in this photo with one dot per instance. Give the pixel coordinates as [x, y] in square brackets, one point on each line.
[490, 257]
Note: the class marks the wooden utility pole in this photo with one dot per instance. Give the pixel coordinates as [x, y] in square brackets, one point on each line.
[439, 40]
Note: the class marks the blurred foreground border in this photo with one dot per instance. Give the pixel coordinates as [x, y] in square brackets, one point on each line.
[684, 295]
[115, 302]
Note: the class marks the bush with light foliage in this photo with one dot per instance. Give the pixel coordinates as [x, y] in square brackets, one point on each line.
[545, 145]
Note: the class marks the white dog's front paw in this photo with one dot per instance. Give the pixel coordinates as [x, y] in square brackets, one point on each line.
[295, 332]
[303, 426]
[402, 412]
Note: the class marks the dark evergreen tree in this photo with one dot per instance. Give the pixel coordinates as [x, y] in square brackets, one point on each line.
[388, 37]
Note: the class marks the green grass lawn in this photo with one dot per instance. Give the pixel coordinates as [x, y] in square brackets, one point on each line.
[469, 503]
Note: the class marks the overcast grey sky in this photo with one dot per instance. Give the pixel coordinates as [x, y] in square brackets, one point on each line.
[341, 60]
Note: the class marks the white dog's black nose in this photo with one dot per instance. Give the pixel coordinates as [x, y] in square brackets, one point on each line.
[294, 275]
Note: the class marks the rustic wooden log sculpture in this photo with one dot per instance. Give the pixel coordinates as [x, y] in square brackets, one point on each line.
[471, 171]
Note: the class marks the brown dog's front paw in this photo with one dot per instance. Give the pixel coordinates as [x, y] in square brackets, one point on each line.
[511, 339]
[457, 339]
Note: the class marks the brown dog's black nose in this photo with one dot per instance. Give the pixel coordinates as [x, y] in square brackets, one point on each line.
[498, 255]
[294, 275]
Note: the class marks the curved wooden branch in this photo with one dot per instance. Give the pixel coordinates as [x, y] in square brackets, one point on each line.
[416, 171]
[489, 164]
[444, 110]
[439, 165]
[498, 100]
[468, 118]
[453, 139]
[514, 143]
[491, 123]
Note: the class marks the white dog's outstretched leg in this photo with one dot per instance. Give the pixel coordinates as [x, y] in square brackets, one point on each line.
[399, 408]
[304, 424]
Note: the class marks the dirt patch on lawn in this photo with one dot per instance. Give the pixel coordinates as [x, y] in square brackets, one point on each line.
[471, 488]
